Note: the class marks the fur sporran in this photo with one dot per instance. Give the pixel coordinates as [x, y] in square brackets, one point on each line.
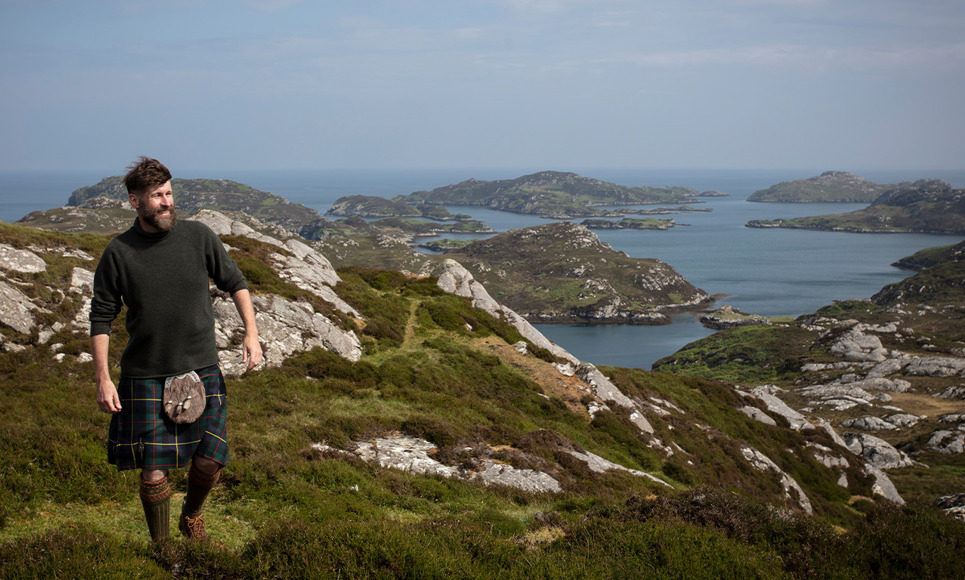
[184, 398]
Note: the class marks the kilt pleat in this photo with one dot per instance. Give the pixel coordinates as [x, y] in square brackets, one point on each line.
[142, 437]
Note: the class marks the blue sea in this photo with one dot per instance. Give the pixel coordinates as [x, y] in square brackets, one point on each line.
[762, 271]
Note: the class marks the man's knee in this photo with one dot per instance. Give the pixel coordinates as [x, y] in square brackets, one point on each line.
[206, 466]
[153, 474]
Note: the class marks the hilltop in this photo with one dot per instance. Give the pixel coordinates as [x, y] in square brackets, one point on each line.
[562, 272]
[550, 194]
[830, 186]
[414, 426]
[928, 206]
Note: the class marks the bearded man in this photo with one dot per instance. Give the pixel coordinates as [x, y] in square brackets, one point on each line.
[160, 269]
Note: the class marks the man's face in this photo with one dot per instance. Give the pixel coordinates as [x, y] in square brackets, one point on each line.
[155, 208]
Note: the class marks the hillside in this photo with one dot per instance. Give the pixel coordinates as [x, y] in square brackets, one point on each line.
[928, 206]
[829, 187]
[562, 272]
[411, 426]
[551, 194]
[886, 373]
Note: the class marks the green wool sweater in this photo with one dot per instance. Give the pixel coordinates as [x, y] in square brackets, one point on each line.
[163, 280]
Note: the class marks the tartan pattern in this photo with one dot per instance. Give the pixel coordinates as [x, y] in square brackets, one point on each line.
[142, 437]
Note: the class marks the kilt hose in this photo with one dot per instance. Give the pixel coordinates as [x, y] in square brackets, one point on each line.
[142, 437]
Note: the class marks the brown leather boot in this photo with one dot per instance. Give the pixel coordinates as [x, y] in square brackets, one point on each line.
[199, 484]
[156, 499]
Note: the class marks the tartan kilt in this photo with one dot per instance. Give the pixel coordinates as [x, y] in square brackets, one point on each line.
[141, 436]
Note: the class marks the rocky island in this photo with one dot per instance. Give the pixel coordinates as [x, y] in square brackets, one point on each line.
[829, 187]
[629, 224]
[928, 206]
[550, 194]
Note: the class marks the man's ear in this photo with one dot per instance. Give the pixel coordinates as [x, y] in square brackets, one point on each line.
[135, 201]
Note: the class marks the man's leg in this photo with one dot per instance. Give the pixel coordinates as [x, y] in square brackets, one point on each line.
[202, 476]
[155, 492]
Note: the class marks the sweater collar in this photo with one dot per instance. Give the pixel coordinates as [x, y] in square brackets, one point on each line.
[153, 236]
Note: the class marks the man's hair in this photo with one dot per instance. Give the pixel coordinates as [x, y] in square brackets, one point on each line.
[145, 173]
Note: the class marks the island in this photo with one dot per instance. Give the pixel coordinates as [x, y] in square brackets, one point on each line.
[629, 224]
[928, 206]
[549, 194]
[829, 187]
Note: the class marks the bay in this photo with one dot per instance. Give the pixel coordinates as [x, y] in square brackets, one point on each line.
[763, 271]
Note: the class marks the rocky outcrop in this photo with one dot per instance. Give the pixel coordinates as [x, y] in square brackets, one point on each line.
[792, 490]
[729, 317]
[413, 455]
[877, 451]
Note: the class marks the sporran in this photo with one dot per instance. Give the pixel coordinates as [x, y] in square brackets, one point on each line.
[184, 397]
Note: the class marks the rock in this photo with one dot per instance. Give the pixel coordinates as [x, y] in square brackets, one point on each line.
[16, 309]
[524, 479]
[599, 465]
[311, 271]
[81, 281]
[948, 442]
[878, 452]
[903, 420]
[954, 505]
[758, 415]
[284, 328]
[868, 423]
[935, 366]
[23, 261]
[761, 462]
[952, 393]
[775, 405]
[882, 384]
[604, 389]
[952, 418]
[883, 485]
[855, 344]
[412, 454]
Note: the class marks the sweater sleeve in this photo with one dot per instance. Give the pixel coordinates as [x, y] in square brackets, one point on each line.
[221, 268]
[106, 301]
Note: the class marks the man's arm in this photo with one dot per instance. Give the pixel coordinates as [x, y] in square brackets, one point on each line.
[107, 398]
[250, 347]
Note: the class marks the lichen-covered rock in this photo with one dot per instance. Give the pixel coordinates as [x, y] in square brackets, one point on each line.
[284, 328]
[765, 394]
[761, 462]
[23, 261]
[412, 455]
[868, 423]
[878, 452]
[16, 309]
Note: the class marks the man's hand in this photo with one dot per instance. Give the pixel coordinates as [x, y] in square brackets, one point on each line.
[250, 347]
[107, 398]
[251, 351]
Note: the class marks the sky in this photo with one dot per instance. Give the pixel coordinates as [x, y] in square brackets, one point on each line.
[554, 84]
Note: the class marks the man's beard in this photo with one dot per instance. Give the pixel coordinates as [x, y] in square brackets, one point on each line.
[161, 223]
